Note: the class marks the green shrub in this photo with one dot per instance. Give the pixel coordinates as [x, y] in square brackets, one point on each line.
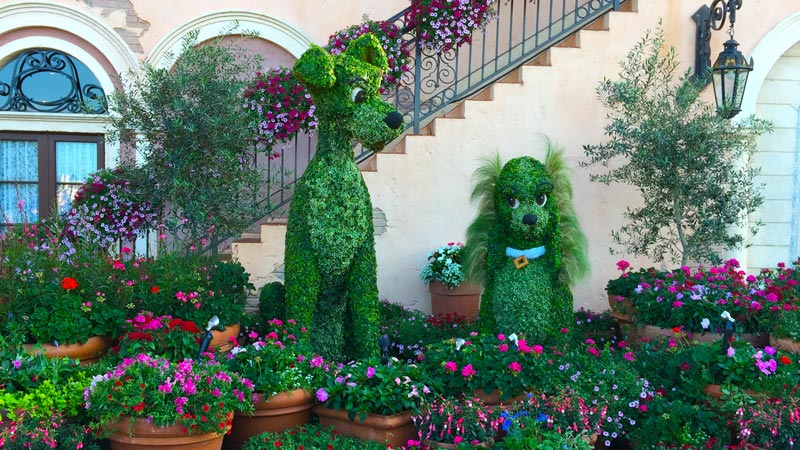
[272, 302]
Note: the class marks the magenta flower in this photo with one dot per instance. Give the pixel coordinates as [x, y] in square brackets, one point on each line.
[370, 372]
[468, 371]
[450, 366]
[322, 395]
[515, 367]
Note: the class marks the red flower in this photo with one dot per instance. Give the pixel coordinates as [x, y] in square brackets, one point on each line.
[785, 360]
[69, 284]
[154, 289]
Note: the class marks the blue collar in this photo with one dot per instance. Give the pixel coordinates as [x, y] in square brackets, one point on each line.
[531, 253]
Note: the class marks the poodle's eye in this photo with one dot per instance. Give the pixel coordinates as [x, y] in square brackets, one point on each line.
[512, 202]
[541, 199]
[357, 95]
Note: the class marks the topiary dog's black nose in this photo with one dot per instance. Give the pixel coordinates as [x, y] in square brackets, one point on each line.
[393, 120]
[529, 219]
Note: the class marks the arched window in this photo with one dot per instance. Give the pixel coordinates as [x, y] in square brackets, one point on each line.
[39, 172]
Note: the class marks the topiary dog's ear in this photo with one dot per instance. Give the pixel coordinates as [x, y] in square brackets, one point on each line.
[315, 68]
[367, 48]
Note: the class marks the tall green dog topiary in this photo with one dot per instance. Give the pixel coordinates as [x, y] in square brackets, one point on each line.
[331, 280]
[526, 246]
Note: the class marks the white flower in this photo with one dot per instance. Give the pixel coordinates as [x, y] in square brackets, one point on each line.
[459, 343]
[727, 316]
[705, 323]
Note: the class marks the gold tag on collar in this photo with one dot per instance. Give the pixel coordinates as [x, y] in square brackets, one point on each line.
[521, 262]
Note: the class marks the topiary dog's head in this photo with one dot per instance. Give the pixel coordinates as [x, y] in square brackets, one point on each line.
[345, 90]
[525, 211]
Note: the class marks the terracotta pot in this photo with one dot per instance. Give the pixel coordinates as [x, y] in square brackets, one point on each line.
[143, 435]
[715, 391]
[493, 398]
[277, 413]
[785, 344]
[654, 332]
[393, 430]
[464, 299]
[222, 339]
[88, 353]
[434, 444]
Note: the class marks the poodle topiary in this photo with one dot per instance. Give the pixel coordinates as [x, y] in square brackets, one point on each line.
[331, 280]
[526, 246]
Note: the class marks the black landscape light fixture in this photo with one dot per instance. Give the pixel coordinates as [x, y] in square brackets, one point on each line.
[731, 69]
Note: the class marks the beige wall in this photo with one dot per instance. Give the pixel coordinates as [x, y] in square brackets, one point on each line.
[425, 192]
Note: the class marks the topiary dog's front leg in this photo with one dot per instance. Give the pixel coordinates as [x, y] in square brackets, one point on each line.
[302, 280]
[361, 294]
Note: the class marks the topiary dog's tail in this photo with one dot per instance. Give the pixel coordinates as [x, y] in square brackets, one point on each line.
[574, 246]
[485, 178]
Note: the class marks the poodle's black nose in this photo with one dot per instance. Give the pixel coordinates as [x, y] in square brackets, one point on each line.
[529, 219]
[393, 120]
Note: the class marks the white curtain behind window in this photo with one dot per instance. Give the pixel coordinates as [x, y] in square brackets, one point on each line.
[74, 162]
[19, 175]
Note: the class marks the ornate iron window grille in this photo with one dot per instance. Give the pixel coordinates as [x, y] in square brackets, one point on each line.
[69, 95]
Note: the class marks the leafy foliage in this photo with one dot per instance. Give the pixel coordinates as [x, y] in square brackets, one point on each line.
[691, 166]
[331, 275]
[187, 123]
[369, 387]
[519, 212]
[310, 436]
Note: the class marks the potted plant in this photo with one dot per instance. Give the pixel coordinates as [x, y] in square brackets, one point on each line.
[769, 424]
[147, 401]
[444, 25]
[279, 107]
[191, 286]
[739, 368]
[51, 280]
[446, 422]
[561, 420]
[310, 436]
[444, 274]
[497, 369]
[107, 209]
[159, 336]
[688, 163]
[371, 400]
[283, 371]
[54, 431]
[692, 300]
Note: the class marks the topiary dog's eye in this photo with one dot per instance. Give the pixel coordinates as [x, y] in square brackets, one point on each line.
[512, 202]
[541, 199]
[357, 95]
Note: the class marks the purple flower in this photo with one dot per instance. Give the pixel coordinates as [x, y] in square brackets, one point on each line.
[16, 363]
[322, 395]
[370, 372]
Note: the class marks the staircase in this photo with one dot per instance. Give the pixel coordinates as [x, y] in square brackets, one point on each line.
[428, 160]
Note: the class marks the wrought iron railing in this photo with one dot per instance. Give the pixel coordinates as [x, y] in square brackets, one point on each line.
[521, 31]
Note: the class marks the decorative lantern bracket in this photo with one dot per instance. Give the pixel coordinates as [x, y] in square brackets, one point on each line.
[708, 18]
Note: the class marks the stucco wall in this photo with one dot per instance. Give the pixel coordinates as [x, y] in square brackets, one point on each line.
[425, 192]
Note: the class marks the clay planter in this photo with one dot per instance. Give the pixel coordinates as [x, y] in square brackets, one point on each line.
[393, 430]
[785, 344]
[654, 332]
[145, 435]
[221, 339]
[88, 353]
[714, 391]
[278, 413]
[434, 444]
[464, 299]
[492, 399]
